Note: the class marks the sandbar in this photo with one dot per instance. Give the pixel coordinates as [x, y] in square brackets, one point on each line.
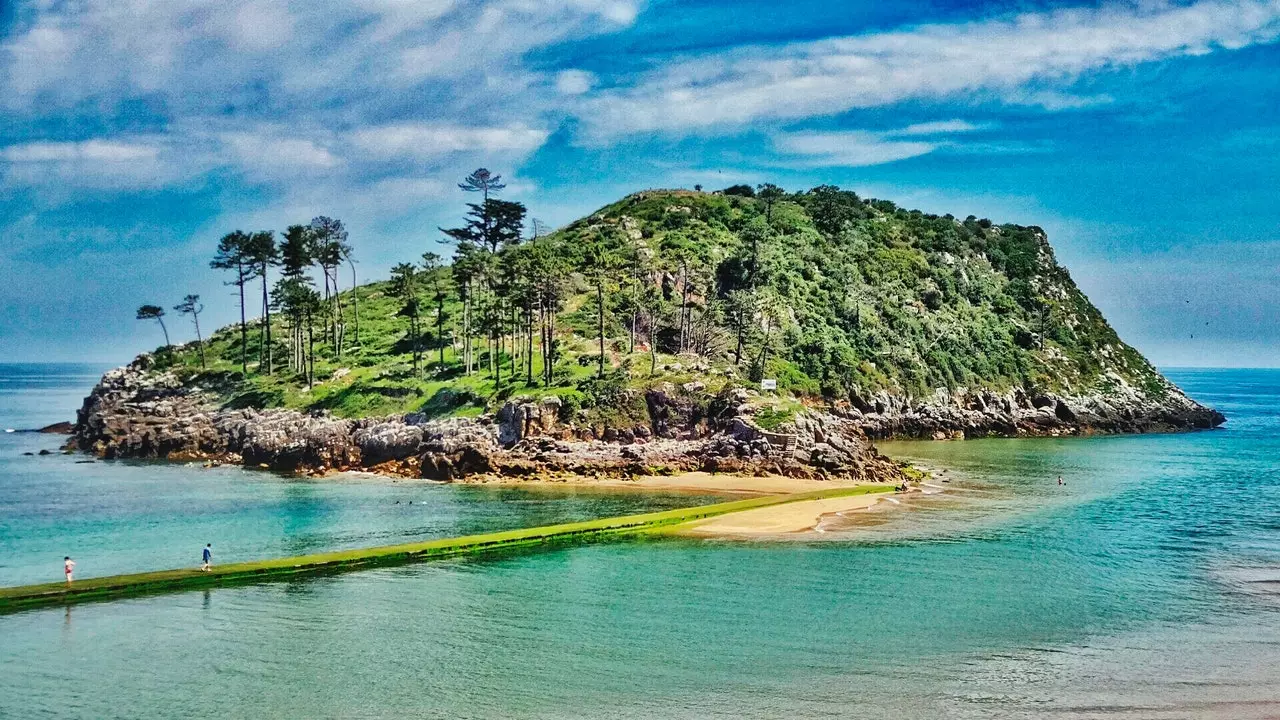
[796, 517]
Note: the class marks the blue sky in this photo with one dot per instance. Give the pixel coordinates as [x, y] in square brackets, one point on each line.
[1143, 136]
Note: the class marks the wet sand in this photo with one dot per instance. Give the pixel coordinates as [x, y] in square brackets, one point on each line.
[797, 517]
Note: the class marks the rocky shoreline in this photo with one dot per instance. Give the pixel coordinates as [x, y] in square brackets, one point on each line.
[136, 412]
[1123, 409]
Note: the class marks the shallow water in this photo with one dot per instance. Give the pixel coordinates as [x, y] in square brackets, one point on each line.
[1138, 589]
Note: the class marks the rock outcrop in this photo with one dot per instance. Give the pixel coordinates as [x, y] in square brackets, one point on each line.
[1121, 409]
[138, 412]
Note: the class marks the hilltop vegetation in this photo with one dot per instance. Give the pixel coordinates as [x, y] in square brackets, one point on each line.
[836, 297]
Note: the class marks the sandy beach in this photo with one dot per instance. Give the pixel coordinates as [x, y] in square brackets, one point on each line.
[797, 517]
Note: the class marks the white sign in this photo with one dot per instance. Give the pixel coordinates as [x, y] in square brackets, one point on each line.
[769, 384]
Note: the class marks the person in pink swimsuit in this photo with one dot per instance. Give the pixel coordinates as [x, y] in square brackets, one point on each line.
[68, 565]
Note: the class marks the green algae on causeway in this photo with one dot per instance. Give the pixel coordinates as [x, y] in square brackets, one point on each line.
[114, 586]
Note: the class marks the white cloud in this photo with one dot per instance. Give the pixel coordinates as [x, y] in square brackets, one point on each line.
[429, 140]
[1013, 58]
[267, 151]
[939, 127]
[506, 29]
[574, 82]
[61, 170]
[88, 150]
[858, 148]
[847, 149]
[273, 92]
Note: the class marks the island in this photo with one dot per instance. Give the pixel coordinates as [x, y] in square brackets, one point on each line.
[749, 331]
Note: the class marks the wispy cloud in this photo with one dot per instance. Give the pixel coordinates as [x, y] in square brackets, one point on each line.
[939, 127]
[89, 150]
[1020, 59]
[98, 164]
[337, 96]
[860, 148]
[432, 140]
[574, 82]
[847, 149]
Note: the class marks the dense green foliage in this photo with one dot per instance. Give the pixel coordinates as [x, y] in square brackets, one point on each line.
[834, 296]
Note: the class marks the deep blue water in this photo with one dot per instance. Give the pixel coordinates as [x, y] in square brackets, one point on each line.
[1143, 588]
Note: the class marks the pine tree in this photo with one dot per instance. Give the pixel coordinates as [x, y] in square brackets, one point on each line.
[154, 312]
[328, 247]
[190, 305]
[438, 281]
[600, 265]
[405, 283]
[232, 255]
[261, 252]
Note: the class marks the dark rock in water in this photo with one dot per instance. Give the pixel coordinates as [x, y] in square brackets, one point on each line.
[59, 428]
[28, 453]
[45, 452]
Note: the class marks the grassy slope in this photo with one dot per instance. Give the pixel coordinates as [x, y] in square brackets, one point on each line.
[377, 378]
[895, 300]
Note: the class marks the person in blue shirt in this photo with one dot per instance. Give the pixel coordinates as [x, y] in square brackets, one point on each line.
[208, 557]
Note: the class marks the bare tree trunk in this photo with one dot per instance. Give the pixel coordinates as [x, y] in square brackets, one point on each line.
[439, 326]
[355, 300]
[339, 326]
[311, 351]
[199, 340]
[266, 311]
[324, 271]
[466, 328]
[551, 345]
[244, 330]
[547, 342]
[513, 345]
[336, 315]
[495, 355]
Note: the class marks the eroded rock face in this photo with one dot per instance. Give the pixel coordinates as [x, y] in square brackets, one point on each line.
[135, 412]
[1121, 409]
[523, 418]
[138, 412]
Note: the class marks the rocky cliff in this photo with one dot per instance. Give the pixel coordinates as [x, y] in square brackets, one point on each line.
[964, 413]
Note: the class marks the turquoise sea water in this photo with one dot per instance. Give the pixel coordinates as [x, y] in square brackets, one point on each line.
[1144, 587]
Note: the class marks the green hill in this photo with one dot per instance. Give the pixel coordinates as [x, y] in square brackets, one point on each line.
[841, 300]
